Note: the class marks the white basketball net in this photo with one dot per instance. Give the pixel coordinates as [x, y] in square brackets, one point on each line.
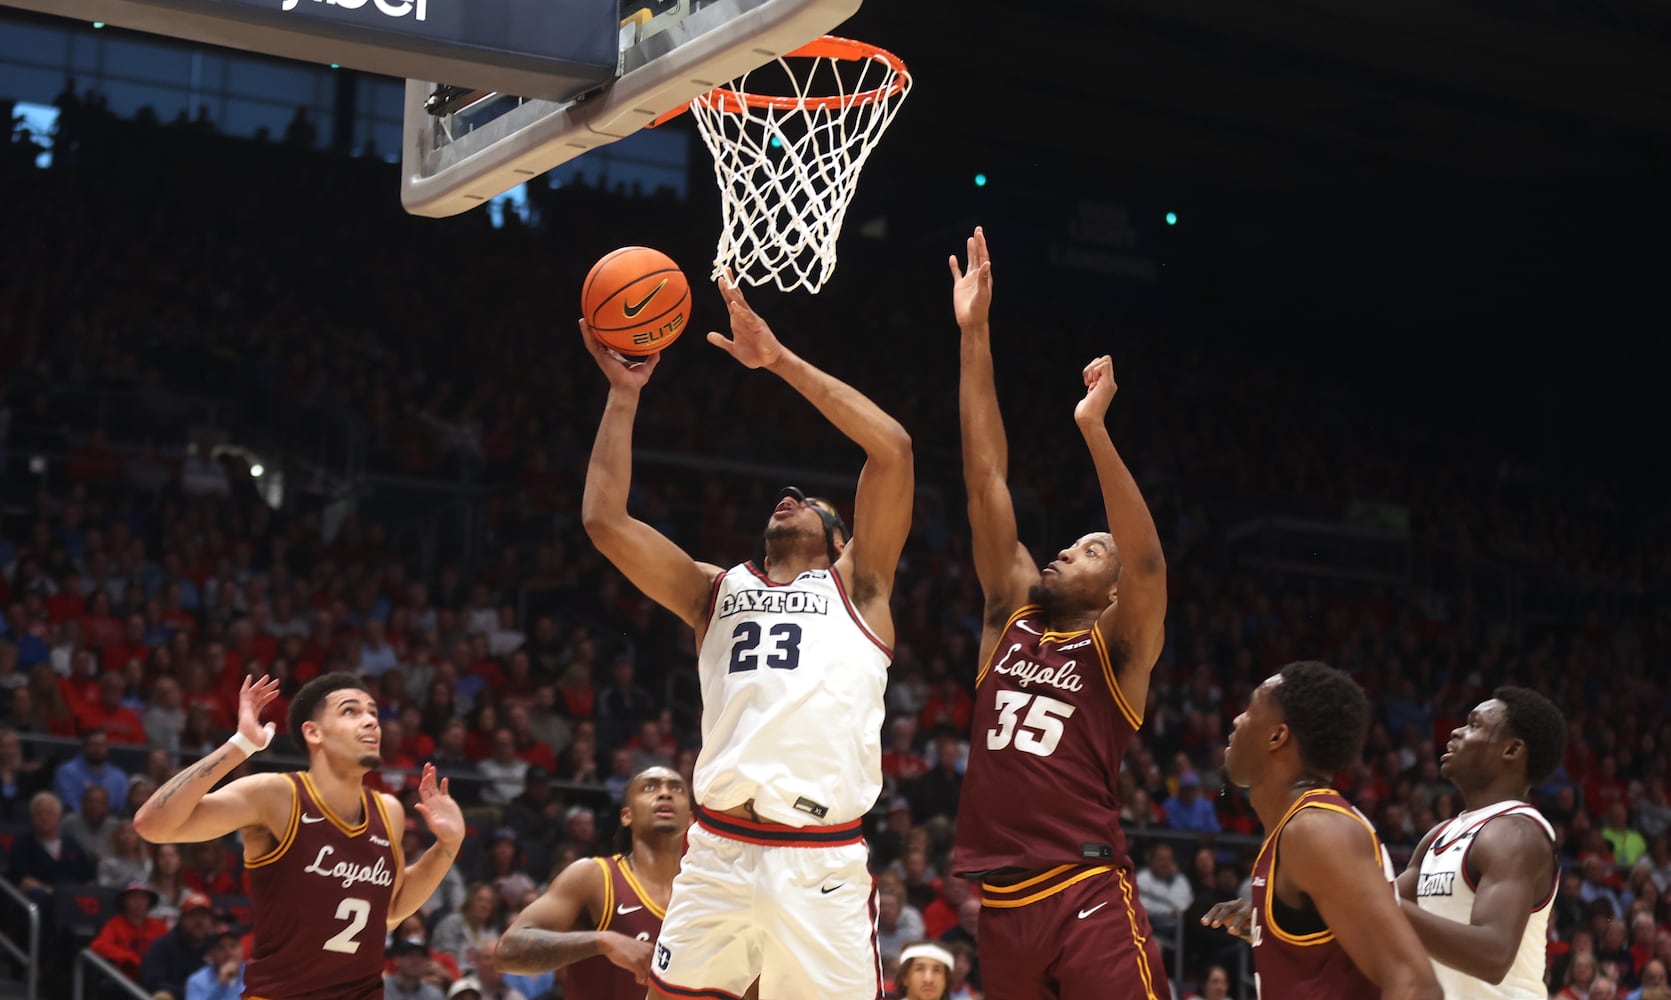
[788, 164]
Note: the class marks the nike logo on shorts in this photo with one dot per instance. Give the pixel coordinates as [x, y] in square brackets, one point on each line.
[826, 890]
[624, 910]
[312, 819]
[1085, 913]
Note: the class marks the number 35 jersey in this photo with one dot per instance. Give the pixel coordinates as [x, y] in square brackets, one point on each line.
[1050, 727]
[792, 700]
[321, 901]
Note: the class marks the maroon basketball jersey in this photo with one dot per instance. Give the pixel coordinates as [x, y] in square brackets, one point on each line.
[1295, 954]
[321, 902]
[629, 910]
[1050, 727]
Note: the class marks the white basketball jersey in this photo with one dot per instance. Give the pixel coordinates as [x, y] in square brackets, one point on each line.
[1445, 890]
[792, 684]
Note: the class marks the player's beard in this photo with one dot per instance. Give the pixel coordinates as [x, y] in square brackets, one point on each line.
[371, 762]
[1046, 598]
[782, 539]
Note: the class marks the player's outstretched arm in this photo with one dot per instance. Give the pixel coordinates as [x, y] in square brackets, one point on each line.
[661, 569]
[418, 881]
[1517, 869]
[1334, 859]
[1005, 569]
[882, 505]
[185, 811]
[543, 938]
[1136, 620]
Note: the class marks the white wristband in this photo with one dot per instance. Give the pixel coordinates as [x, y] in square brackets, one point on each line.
[249, 746]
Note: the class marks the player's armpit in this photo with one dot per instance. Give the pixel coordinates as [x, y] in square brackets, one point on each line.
[1335, 860]
[1410, 877]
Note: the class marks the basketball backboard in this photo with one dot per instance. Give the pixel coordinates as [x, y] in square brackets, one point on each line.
[462, 146]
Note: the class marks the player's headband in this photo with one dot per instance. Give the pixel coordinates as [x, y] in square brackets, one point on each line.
[930, 951]
[826, 513]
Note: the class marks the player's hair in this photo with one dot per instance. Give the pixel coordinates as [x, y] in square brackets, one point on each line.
[622, 840]
[311, 697]
[1534, 719]
[1326, 711]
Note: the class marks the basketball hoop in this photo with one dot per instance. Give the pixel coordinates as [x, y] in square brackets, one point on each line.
[788, 162]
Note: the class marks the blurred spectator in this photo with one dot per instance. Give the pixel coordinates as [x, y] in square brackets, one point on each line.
[222, 975]
[1214, 985]
[1164, 890]
[900, 761]
[126, 860]
[623, 706]
[172, 958]
[1580, 979]
[1653, 812]
[504, 770]
[43, 857]
[1187, 810]
[1653, 978]
[165, 714]
[475, 922]
[125, 937]
[411, 960]
[897, 924]
[90, 767]
[941, 915]
[1628, 845]
[936, 792]
[20, 779]
[535, 814]
[92, 826]
[167, 879]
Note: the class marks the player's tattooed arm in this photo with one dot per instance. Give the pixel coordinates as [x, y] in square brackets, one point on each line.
[185, 810]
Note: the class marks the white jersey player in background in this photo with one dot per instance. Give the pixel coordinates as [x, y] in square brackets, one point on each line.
[1479, 887]
[793, 660]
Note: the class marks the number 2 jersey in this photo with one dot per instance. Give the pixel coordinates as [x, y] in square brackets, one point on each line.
[792, 700]
[1050, 727]
[321, 902]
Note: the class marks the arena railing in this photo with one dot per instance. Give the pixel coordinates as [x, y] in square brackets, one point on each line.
[31, 956]
[86, 959]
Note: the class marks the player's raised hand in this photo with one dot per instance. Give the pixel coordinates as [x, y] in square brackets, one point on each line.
[1099, 391]
[752, 342]
[254, 696]
[629, 953]
[1234, 915]
[972, 285]
[622, 372]
[441, 814]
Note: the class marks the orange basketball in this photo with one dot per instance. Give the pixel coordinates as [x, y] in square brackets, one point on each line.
[637, 300]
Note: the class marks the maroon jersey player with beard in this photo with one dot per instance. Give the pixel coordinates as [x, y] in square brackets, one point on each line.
[327, 879]
[1063, 679]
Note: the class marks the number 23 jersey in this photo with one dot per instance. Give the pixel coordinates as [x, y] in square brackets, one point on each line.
[1050, 726]
[792, 699]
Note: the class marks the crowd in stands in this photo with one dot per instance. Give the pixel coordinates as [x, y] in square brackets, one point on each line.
[144, 574]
